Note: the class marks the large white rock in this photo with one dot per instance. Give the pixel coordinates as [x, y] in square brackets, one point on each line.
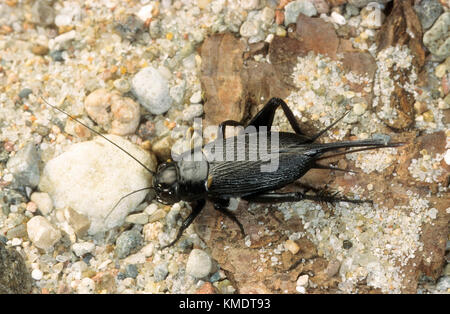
[90, 177]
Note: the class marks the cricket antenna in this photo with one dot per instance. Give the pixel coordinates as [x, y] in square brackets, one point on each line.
[99, 134]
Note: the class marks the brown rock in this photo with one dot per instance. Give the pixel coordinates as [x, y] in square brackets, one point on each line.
[317, 35]
[206, 288]
[223, 78]
[283, 55]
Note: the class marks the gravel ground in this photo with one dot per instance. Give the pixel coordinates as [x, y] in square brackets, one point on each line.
[133, 70]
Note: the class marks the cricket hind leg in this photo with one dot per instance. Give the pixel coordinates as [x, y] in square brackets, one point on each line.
[187, 222]
[221, 206]
[266, 115]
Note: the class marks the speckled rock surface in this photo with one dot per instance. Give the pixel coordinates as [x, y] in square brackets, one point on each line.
[14, 276]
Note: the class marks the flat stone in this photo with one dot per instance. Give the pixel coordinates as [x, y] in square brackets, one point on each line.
[317, 35]
[222, 71]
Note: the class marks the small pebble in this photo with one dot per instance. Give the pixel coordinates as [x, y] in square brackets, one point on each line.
[291, 246]
[131, 271]
[443, 284]
[42, 233]
[130, 27]
[160, 272]
[39, 50]
[81, 249]
[127, 243]
[87, 286]
[338, 18]
[57, 55]
[191, 112]
[294, 8]
[43, 201]
[440, 70]
[302, 281]
[199, 264]
[139, 219]
[25, 166]
[152, 90]
[372, 17]
[42, 13]
[24, 93]
[37, 274]
[196, 97]
[157, 215]
[346, 244]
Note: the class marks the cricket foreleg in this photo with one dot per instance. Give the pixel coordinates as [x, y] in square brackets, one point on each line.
[187, 222]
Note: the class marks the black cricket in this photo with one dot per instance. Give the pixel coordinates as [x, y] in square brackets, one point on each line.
[196, 180]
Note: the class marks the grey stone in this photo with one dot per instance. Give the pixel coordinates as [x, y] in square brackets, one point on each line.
[131, 271]
[128, 242]
[160, 272]
[293, 9]
[25, 166]
[437, 38]
[15, 278]
[428, 11]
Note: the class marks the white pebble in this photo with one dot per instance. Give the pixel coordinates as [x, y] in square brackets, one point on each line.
[302, 281]
[338, 19]
[43, 202]
[196, 97]
[300, 289]
[42, 233]
[87, 286]
[151, 89]
[37, 274]
[81, 249]
[199, 264]
[145, 12]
